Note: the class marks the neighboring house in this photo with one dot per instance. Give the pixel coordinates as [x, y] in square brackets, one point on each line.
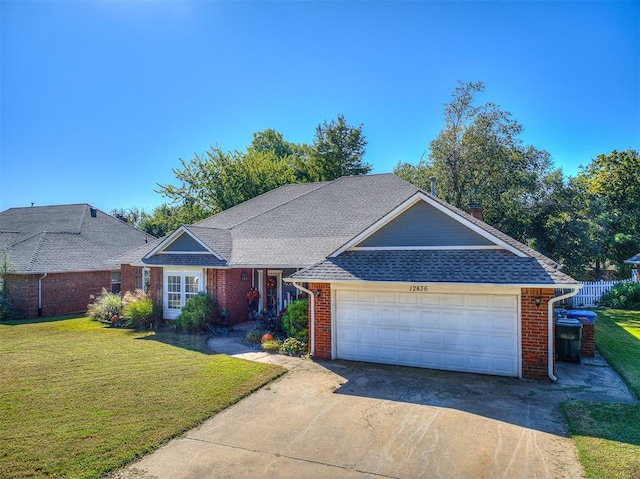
[394, 274]
[59, 256]
[634, 261]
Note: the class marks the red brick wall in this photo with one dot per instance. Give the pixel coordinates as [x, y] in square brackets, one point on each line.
[130, 277]
[232, 291]
[62, 293]
[588, 348]
[323, 320]
[535, 334]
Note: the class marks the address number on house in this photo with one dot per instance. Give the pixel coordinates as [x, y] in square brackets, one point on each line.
[418, 288]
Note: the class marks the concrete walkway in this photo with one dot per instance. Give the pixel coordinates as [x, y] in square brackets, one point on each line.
[356, 420]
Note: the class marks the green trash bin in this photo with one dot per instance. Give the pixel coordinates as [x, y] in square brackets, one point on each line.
[568, 339]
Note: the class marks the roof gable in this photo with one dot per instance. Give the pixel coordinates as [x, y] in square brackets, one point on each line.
[423, 226]
[183, 242]
[421, 222]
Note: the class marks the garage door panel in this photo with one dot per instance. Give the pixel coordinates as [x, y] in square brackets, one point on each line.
[474, 333]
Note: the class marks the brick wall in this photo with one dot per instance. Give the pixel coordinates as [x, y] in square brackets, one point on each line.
[535, 334]
[62, 293]
[130, 277]
[323, 320]
[588, 348]
[231, 292]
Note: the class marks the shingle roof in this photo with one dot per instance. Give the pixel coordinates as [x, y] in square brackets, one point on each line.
[64, 238]
[434, 266]
[302, 225]
[633, 260]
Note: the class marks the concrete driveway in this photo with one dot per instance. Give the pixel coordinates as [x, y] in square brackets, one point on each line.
[355, 420]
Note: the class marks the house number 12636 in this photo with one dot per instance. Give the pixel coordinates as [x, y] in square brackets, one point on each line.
[417, 288]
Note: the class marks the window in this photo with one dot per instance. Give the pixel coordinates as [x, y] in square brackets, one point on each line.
[115, 282]
[180, 286]
[146, 280]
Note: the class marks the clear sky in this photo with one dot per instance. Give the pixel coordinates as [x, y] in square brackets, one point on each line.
[99, 99]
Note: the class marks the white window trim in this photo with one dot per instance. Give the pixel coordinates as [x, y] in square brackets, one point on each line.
[182, 272]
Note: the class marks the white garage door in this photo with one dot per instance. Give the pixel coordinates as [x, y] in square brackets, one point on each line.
[456, 332]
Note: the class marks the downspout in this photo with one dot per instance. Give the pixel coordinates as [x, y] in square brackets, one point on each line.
[573, 292]
[40, 293]
[312, 350]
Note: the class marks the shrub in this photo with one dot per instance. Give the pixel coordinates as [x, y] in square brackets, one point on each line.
[6, 306]
[293, 347]
[272, 345]
[254, 335]
[197, 312]
[105, 306]
[137, 309]
[622, 296]
[266, 337]
[295, 321]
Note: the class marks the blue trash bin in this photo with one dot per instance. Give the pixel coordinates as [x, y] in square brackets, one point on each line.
[579, 313]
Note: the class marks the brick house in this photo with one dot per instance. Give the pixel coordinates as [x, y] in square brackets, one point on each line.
[58, 256]
[394, 275]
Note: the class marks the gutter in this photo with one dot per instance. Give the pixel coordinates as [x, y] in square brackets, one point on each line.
[312, 349]
[573, 292]
[40, 293]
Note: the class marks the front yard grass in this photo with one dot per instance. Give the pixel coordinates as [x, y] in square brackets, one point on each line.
[608, 435]
[78, 400]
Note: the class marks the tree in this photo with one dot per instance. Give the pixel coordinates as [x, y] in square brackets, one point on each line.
[479, 158]
[613, 183]
[338, 150]
[219, 180]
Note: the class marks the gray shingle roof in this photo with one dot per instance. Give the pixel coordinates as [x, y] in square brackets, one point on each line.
[302, 225]
[64, 238]
[434, 266]
[634, 259]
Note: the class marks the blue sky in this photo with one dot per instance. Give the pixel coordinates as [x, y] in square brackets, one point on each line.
[99, 99]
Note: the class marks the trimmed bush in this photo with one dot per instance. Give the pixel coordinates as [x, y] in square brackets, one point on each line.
[273, 345]
[137, 309]
[254, 335]
[295, 321]
[293, 347]
[196, 313]
[105, 306]
[623, 296]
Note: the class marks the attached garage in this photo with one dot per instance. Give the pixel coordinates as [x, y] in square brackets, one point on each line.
[453, 330]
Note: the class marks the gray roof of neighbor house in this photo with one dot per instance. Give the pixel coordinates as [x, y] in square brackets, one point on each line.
[302, 225]
[635, 259]
[63, 238]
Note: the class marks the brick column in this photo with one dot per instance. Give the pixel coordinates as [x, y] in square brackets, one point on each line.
[535, 335]
[323, 320]
[588, 339]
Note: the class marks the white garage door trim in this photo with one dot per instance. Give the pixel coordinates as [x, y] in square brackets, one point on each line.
[469, 329]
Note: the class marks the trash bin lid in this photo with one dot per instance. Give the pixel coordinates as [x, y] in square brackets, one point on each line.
[571, 322]
[580, 313]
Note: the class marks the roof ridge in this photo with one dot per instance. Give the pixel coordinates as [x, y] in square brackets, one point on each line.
[36, 250]
[321, 184]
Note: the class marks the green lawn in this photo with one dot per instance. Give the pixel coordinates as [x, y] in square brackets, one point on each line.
[608, 435]
[78, 399]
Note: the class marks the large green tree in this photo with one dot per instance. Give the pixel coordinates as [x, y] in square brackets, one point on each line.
[613, 183]
[338, 150]
[479, 158]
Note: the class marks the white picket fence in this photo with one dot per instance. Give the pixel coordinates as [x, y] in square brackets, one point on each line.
[591, 293]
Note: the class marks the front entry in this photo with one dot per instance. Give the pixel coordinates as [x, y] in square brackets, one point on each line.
[270, 290]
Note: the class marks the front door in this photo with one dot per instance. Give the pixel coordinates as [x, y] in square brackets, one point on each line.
[273, 296]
